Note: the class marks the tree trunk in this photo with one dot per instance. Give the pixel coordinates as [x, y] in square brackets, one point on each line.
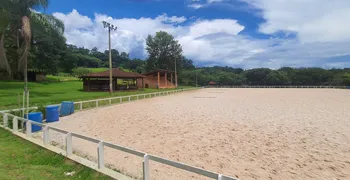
[4, 65]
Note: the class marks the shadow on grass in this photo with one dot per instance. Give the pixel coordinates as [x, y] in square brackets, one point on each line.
[44, 94]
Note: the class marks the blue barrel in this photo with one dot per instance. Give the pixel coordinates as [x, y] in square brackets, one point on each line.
[67, 108]
[52, 114]
[36, 117]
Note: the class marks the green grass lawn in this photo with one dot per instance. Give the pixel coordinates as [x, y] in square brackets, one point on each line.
[21, 159]
[60, 78]
[54, 92]
[95, 70]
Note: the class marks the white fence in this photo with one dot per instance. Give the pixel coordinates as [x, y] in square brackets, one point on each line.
[319, 87]
[6, 117]
[80, 105]
[120, 99]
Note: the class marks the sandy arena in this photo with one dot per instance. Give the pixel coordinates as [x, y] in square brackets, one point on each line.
[244, 133]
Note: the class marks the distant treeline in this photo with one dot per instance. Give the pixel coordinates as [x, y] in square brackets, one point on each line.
[49, 53]
[264, 76]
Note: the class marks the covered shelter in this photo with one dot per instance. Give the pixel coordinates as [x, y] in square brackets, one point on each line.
[37, 75]
[212, 83]
[160, 78]
[121, 80]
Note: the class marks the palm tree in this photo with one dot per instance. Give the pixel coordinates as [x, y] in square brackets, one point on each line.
[16, 15]
[19, 15]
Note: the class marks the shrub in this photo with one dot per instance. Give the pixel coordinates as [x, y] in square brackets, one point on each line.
[77, 72]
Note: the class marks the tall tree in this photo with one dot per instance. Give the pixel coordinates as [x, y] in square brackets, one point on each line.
[163, 51]
[12, 12]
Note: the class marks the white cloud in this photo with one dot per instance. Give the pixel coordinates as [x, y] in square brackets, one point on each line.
[206, 27]
[173, 19]
[215, 42]
[213, 1]
[195, 6]
[74, 20]
[311, 20]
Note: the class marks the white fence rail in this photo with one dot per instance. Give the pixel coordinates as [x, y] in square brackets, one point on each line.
[80, 105]
[319, 87]
[6, 117]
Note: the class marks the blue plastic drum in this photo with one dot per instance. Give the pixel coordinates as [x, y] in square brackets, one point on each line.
[36, 117]
[67, 108]
[52, 114]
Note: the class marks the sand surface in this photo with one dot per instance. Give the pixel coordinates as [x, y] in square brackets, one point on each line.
[244, 133]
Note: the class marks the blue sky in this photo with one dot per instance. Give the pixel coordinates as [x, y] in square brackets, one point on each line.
[237, 33]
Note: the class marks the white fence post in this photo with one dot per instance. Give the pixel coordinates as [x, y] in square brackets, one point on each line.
[220, 177]
[146, 167]
[100, 154]
[28, 128]
[137, 97]
[129, 98]
[96, 103]
[81, 106]
[15, 124]
[6, 118]
[69, 144]
[46, 135]
[144, 96]
[110, 101]
[120, 99]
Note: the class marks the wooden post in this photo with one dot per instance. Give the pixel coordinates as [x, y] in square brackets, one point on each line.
[146, 167]
[46, 135]
[171, 78]
[69, 148]
[88, 84]
[158, 79]
[15, 124]
[5, 119]
[28, 127]
[100, 154]
[220, 177]
[166, 79]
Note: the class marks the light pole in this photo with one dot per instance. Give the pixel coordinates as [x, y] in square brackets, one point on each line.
[110, 27]
[196, 77]
[175, 75]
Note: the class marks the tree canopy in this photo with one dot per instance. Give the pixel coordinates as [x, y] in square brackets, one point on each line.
[18, 24]
[163, 51]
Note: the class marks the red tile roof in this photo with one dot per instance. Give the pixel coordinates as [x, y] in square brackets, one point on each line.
[212, 83]
[116, 73]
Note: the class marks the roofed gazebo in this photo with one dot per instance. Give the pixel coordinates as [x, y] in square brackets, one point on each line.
[212, 83]
[159, 78]
[121, 80]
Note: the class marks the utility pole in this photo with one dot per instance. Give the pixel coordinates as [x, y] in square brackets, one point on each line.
[196, 77]
[110, 27]
[175, 75]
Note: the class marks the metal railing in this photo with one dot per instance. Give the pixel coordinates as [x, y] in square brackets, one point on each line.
[279, 86]
[100, 148]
